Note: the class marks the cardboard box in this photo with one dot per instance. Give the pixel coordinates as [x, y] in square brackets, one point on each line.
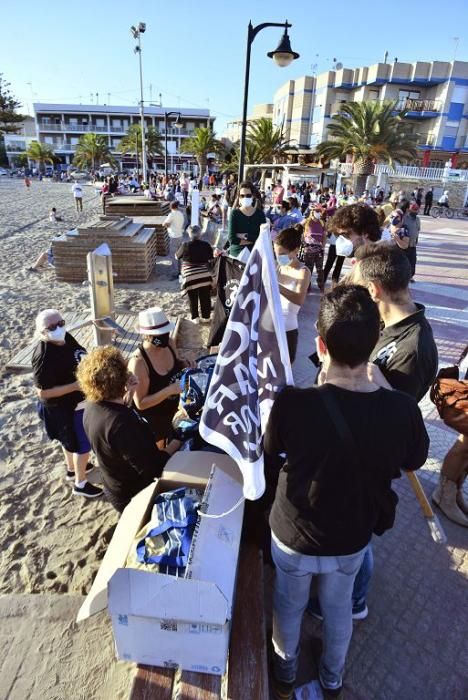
[161, 620]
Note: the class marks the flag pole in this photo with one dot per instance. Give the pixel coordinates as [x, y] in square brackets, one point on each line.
[435, 528]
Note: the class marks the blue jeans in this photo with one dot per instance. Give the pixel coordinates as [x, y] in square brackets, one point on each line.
[174, 245]
[294, 574]
[362, 581]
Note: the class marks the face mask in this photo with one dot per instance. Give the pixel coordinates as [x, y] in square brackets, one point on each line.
[344, 247]
[317, 214]
[58, 335]
[161, 341]
[283, 259]
[246, 201]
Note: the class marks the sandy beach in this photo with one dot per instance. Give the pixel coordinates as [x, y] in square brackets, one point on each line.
[52, 543]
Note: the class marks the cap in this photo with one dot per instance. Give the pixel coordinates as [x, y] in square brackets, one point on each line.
[154, 322]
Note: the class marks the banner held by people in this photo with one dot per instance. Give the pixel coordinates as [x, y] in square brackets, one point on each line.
[252, 367]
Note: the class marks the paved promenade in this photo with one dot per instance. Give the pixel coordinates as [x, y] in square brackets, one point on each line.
[413, 645]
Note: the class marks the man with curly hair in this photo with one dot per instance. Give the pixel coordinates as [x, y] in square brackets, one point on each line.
[122, 440]
[347, 229]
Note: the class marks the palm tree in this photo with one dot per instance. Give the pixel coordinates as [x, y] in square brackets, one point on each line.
[231, 161]
[202, 142]
[131, 142]
[42, 153]
[269, 141]
[91, 151]
[370, 132]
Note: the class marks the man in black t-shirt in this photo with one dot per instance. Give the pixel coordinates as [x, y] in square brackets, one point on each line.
[404, 358]
[335, 480]
[406, 352]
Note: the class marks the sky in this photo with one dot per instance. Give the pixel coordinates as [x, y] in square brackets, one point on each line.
[194, 52]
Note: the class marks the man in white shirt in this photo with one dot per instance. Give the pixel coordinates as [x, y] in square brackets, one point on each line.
[77, 192]
[175, 224]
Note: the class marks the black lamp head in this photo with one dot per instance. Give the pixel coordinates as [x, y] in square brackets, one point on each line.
[283, 55]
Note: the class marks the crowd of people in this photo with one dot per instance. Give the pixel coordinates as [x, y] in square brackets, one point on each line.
[330, 457]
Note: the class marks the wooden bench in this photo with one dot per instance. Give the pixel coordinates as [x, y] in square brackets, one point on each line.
[246, 677]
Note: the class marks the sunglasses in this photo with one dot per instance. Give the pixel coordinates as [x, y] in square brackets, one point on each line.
[53, 326]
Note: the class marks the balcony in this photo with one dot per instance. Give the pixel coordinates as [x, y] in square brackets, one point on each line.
[420, 108]
[93, 128]
[64, 146]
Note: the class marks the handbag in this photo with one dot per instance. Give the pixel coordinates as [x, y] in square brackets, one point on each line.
[384, 502]
[449, 394]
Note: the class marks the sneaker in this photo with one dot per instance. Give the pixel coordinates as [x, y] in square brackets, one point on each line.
[31, 269]
[88, 491]
[71, 475]
[196, 321]
[360, 610]
[205, 320]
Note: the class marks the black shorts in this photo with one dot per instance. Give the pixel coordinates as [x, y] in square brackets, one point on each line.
[65, 425]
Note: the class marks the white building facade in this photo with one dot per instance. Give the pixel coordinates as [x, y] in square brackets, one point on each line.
[61, 125]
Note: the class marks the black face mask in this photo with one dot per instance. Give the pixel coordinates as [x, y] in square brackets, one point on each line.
[161, 341]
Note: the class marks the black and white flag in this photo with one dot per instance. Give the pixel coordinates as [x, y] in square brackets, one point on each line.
[252, 367]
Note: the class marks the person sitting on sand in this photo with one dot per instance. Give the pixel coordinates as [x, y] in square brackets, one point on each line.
[54, 362]
[122, 440]
[53, 218]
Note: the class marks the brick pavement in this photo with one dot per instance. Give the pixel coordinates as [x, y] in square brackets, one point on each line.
[413, 645]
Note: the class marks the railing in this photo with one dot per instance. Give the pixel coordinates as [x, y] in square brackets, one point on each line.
[16, 147]
[410, 105]
[64, 146]
[410, 171]
[94, 128]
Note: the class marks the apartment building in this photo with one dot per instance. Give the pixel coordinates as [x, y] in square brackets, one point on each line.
[61, 125]
[232, 132]
[435, 95]
[18, 143]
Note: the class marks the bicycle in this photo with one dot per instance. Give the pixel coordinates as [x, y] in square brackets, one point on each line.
[437, 212]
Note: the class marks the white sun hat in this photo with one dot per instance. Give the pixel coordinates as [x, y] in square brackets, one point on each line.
[154, 322]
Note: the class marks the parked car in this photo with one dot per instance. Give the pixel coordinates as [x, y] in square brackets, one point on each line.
[3, 171]
[79, 175]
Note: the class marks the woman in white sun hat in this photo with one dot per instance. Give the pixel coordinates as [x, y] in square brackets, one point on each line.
[155, 364]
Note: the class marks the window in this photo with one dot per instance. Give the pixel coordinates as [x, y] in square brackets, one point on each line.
[373, 95]
[116, 122]
[408, 95]
[100, 122]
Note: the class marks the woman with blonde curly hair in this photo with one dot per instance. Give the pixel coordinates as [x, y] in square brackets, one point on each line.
[122, 440]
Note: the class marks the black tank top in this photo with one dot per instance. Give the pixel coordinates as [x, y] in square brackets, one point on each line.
[160, 416]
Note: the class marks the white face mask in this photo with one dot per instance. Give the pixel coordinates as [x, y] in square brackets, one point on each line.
[246, 201]
[317, 214]
[58, 335]
[283, 259]
[344, 247]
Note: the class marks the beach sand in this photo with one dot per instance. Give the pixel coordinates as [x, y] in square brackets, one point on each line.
[52, 542]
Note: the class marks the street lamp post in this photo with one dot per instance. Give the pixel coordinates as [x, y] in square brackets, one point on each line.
[283, 55]
[176, 123]
[136, 33]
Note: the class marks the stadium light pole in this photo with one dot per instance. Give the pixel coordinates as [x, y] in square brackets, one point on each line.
[283, 55]
[136, 33]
